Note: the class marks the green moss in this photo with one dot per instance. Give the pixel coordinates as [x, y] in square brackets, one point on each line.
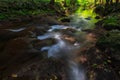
[110, 41]
[16, 8]
[3, 16]
[111, 23]
[111, 20]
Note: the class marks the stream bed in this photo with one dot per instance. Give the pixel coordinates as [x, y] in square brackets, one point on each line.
[43, 52]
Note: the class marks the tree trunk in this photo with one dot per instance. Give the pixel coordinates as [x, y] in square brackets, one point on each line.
[52, 2]
[111, 1]
[117, 1]
[95, 2]
[65, 3]
[72, 2]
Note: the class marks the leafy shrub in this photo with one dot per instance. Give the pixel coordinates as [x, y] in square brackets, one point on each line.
[111, 23]
[111, 42]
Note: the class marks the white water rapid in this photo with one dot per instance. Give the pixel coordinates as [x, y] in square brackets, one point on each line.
[66, 49]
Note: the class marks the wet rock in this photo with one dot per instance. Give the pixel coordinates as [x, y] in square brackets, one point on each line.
[6, 35]
[69, 38]
[97, 17]
[38, 44]
[88, 18]
[17, 53]
[111, 27]
[67, 19]
[15, 47]
[50, 20]
[40, 30]
[109, 23]
[68, 31]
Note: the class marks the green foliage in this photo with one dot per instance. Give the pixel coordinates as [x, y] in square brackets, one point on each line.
[107, 8]
[111, 20]
[34, 7]
[110, 41]
[110, 44]
[85, 2]
[111, 23]
[16, 8]
[3, 16]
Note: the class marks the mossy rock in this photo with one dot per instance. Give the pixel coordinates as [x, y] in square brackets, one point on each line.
[111, 26]
[111, 23]
[111, 42]
[65, 19]
[112, 39]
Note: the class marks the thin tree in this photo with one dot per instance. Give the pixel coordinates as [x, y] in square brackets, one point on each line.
[52, 2]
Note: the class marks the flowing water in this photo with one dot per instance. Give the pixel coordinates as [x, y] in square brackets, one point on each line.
[63, 48]
[76, 72]
[16, 30]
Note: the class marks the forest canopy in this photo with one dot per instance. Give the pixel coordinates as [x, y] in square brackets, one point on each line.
[14, 8]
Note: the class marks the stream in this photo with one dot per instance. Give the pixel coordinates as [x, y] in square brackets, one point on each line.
[63, 49]
[64, 42]
[66, 49]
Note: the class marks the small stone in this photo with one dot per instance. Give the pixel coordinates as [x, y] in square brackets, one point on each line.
[14, 75]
